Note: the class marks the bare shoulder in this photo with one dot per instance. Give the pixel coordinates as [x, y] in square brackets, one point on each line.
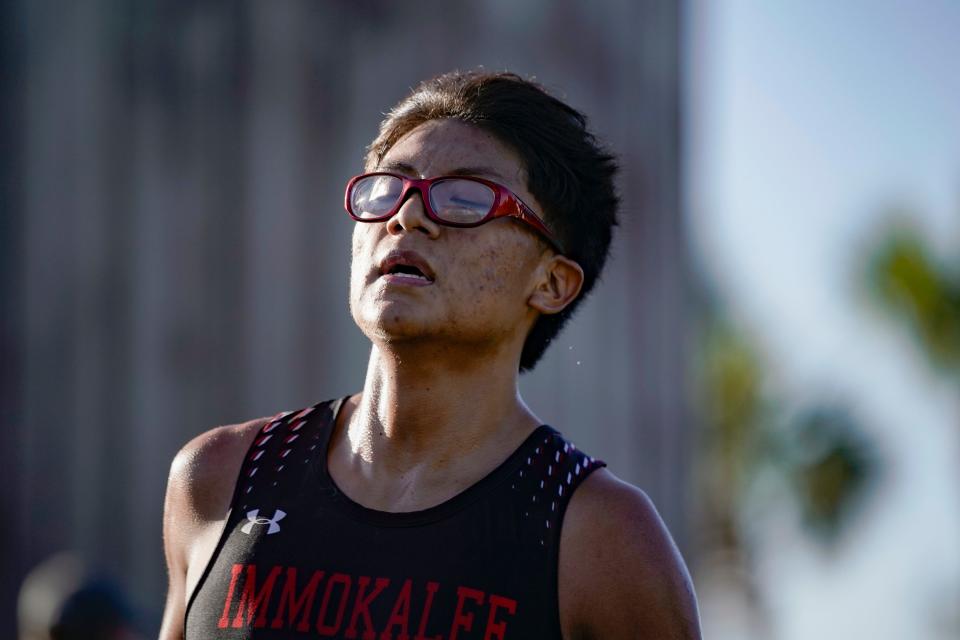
[199, 489]
[621, 575]
[204, 471]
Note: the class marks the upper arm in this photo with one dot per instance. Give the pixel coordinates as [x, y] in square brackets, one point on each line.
[175, 552]
[199, 490]
[621, 575]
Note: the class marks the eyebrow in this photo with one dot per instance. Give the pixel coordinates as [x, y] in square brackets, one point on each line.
[409, 169]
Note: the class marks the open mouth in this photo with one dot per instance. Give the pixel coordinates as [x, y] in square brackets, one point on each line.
[407, 271]
[406, 267]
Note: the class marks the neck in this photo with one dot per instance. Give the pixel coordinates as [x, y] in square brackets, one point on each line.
[426, 409]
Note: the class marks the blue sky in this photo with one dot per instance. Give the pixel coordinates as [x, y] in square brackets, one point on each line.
[806, 122]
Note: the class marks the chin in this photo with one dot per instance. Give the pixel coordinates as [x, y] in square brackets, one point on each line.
[391, 323]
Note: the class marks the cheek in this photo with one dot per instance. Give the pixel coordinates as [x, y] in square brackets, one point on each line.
[362, 245]
[496, 274]
[356, 241]
[503, 270]
[359, 259]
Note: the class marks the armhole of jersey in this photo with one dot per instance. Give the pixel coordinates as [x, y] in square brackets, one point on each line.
[222, 538]
[555, 560]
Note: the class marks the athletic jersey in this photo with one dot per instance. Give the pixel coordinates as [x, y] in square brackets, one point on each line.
[298, 558]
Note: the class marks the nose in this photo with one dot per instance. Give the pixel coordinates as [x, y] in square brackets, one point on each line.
[413, 216]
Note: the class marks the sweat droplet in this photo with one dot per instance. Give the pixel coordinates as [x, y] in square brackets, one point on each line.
[578, 363]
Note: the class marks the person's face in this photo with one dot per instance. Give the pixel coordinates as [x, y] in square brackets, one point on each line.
[482, 276]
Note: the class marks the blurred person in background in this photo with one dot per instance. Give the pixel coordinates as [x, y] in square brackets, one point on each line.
[98, 610]
[434, 503]
[61, 599]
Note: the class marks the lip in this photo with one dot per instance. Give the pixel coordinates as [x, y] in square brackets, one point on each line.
[410, 259]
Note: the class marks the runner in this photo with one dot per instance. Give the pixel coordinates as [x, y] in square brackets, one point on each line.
[434, 503]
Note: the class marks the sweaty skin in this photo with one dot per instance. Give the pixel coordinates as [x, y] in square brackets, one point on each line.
[440, 406]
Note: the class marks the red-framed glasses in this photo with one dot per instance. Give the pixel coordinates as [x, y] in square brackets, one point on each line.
[454, 201]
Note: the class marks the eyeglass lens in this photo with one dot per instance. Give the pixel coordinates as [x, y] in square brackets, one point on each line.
[374, 196]
[453, 200]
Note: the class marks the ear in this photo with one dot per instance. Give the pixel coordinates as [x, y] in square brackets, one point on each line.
[560, 283]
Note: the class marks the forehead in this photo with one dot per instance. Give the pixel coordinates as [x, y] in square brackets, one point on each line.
[447, 146]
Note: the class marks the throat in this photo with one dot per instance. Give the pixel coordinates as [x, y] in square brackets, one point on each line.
[424, 422]
[397, 465]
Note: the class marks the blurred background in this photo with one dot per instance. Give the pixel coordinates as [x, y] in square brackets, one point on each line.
[773, 354]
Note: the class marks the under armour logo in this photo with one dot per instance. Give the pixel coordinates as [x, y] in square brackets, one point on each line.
[253, 518]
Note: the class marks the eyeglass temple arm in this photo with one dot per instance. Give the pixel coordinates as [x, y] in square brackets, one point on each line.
[527, 214]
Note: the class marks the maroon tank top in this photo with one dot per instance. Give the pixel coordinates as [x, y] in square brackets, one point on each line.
[298, 559]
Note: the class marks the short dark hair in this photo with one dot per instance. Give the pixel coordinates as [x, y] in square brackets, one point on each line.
[569, 173]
